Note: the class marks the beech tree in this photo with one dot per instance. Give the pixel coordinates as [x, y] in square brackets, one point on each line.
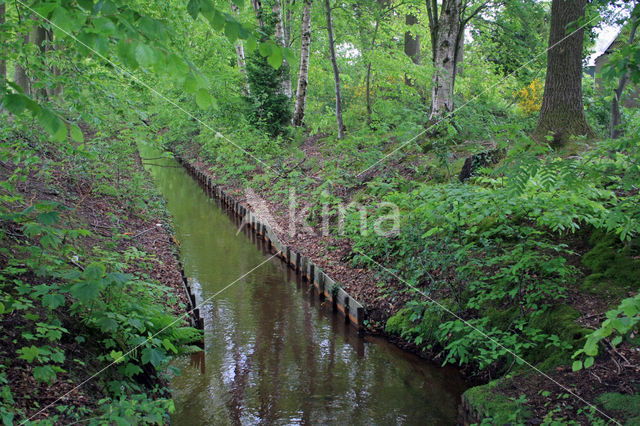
[303, 73]
[562, 111]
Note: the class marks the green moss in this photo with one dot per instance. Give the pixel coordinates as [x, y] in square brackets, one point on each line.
[502, 318]
[489, 403]
[628, 406]
[559, 320]
[400, 324]
[614, 266]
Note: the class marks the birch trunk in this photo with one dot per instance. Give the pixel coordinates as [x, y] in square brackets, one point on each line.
[336, 72]
[279, 35]
[303, 74]
[240, 57]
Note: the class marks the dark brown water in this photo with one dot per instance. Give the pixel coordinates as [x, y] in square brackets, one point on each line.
[274, 353]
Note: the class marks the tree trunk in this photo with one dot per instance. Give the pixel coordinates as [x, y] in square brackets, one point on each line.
[279, 35]
[257, 8]
[412, 41]
[460, 52]
[447, 30]
[20, 73]
[411, 44]
[616, 116]
[562, 112]
[287, 23]
[240, 57]
[303, 74]
[336, 72]
[39, 38]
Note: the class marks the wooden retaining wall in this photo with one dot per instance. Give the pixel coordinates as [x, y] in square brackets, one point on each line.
[195, 319]
[328, 288]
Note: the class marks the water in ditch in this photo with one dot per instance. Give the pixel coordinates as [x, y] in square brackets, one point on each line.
[274, 354]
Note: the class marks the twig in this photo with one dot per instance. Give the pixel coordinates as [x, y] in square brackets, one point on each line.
[142, 232]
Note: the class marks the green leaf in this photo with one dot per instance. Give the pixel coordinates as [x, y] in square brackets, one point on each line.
[176, 65]
[289, 56]
[131, 370]
[101, 45]
[94, 271]
[588, 362]
[275, 58]
[51, 123]
[144, 54]
[239, 3]
[169, 346]
[76, 133]
[105, 26]
[203, 99]
[14, 103]
[107, 325]
[86, 5]
[52, 300]
[85, 291]
[48, 218]
[217, 20]
[232, 30]
[62, 22]
[193, 8]
[576, 366]
[44, 373]
[251, 43]
[616, 341]
[29, 354]
[265, 48]
[152, 356]
[117, 356]
[190, 84]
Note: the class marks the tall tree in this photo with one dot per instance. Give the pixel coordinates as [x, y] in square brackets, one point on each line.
[280, 39]
[270, 108]
[562, 112]
[240, 56]
[616, 116]
[446, 27]
[412, 40]
[336, 71]
[20, 72]
[303, 73]
[445, 30]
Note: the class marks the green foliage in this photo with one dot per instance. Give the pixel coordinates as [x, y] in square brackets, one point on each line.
[59, 290]
[613, 265]
[628, 404]
[494, 407]
[269, 108]
[620, 323]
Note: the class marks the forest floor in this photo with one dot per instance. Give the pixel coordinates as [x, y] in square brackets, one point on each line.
[110, 219]
[537, 397]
